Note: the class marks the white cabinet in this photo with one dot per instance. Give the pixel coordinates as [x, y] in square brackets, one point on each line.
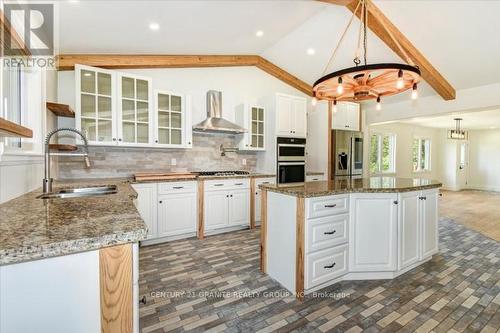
[373, 232]
[253, 119]
[315, 178]
[291, 116]
[418, 226]
[176, 214]
[95, 108]
[258, 196]
[172, 120]
[429, 213]
[168, 209]
[226, 203]
[146, 205]
[347, 117]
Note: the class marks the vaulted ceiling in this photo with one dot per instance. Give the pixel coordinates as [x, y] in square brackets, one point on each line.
[457, 37]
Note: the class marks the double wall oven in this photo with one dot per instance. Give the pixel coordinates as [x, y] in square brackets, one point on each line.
[291, 160]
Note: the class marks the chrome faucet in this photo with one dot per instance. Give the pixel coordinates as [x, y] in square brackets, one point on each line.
[47, 181]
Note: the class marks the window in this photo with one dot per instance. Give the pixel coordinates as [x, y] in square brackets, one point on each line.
[382, 152]
[421, 154]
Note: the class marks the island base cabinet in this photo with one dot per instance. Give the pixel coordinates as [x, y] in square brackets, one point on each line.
[429, 213]
[325, 265]
[373, 232]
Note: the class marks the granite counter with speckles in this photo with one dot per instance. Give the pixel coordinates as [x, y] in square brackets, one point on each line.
[32, 228]
[350, 185]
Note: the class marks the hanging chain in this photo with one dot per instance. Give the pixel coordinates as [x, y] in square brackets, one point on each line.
[365, 31]
[356, 59]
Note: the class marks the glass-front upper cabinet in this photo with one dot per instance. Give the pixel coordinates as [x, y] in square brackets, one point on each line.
[95, 107]
[134, 104]
[253, 119]
[173, 124]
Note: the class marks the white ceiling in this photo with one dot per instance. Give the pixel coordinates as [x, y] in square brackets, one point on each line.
[471, 120]
[458, 37]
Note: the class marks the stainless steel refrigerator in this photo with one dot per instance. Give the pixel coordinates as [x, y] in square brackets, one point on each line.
[347, 153]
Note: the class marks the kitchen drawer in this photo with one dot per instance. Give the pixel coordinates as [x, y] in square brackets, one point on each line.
[326, 232]
[260, 181]
[326, 206]
[325, 265]
[227, 184]
[177, 187]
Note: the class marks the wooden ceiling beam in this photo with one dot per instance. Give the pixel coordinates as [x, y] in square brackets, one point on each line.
[376, 22]
[123, 61]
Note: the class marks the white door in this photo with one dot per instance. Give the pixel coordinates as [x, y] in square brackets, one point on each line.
[339, 118]
[463, 163]
[176, 214]
[146, 205]
[409, 228]
[300, 117]
[283, 115]
[239, 208]
[216, 209]
[429, 222]
[373, 232]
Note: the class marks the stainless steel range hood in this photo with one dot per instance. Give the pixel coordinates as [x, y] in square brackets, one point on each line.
[214, 122]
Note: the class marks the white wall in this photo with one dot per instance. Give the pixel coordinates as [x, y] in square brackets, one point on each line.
[484, 160]
[238, 85]
[405, 134]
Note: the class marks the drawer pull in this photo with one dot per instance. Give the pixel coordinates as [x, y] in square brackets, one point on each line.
[330, 232]
[238, 184]
[265, 183]
[331, 206]
[218, 184]
[178, 187]
[329, 266]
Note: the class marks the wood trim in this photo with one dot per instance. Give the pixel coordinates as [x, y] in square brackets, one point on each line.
[284, 76]
[300, 249]
[62, 147]
[122, 61]
[10, 129]
[115, 273]
[201, 203]
[263, 231]
[329, 136]
[61, 110]
[429, 73]
[252, 203]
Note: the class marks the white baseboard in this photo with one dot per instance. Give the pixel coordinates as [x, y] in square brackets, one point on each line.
[483, 188]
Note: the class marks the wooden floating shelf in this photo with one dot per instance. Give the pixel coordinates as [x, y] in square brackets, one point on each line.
[61, 110]
[62, 147]
[10, 129]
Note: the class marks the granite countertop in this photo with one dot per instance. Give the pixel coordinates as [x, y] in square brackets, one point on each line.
[250, 175]
[32, 228]
[348, 185]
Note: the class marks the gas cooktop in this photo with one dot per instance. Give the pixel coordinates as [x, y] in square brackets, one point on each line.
[223, 173]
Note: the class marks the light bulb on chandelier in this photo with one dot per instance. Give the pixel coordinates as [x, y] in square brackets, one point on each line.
[340, 87]
[414, 92]
[400, 83]
[379, 105]
[314, 101]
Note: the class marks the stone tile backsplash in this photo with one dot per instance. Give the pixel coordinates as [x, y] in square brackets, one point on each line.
[124, 162]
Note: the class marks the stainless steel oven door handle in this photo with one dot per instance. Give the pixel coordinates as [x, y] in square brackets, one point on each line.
[291, 145]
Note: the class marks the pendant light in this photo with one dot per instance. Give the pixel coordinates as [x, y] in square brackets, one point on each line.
[366, 81]
[458, 133]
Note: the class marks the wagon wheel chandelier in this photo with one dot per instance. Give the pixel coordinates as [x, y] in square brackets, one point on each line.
[367, 81]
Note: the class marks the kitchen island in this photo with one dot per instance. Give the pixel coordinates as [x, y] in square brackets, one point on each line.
[315, 234]
[70, 265]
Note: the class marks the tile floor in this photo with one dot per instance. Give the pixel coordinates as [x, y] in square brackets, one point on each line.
[215, 285]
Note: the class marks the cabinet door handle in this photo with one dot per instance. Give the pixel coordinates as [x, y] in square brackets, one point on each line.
[143, 300]
[329, 266]
[231, 195]
[331, 206]
[440, 194]
[218, 184]
[330, 232]
[178, 187]
[395, 202]
[161, 201]
[256, 193]
[156, 141]
[425, 198]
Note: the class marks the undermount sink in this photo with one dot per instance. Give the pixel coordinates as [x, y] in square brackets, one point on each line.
[80, 192]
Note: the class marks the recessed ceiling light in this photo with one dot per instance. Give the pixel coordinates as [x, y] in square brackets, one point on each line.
[259, 33]
[154, 26]
[311, 51]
